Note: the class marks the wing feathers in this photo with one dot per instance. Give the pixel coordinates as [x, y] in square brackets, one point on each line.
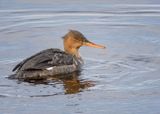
[44, 59]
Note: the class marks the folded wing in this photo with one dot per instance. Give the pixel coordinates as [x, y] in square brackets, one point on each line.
[45, 59]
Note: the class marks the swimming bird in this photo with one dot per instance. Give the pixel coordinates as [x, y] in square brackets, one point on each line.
[54, 61]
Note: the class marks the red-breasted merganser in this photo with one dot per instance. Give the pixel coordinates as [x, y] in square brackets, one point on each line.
[53, 61]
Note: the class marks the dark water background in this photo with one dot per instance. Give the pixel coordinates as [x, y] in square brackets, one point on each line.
[123, 79]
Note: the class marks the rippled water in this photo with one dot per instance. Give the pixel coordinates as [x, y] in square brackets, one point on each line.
[123, 79]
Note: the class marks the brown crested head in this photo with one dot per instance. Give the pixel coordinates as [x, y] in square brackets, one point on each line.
[76, 36]
[73, 40]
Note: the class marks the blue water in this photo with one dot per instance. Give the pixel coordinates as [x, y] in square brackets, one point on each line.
[122, 79]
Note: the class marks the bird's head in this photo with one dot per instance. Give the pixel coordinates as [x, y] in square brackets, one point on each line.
[73, 40]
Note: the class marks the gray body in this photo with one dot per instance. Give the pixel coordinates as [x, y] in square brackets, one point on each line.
[46, 63]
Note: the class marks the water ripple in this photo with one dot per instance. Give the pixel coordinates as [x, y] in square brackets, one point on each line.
[50, 18]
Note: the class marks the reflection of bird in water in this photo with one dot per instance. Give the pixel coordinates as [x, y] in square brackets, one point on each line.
[71, 83]
[52, 62]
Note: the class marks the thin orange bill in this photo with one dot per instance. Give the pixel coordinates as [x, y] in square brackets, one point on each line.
[91, 44]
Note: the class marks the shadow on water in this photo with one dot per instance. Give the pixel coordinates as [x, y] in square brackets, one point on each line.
[72, 83]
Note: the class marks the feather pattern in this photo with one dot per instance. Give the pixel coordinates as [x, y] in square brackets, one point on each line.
[45, 59]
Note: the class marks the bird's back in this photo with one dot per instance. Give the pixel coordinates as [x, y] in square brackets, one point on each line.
[51, 61]
[45, 59]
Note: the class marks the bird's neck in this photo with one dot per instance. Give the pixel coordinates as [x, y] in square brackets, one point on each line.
[71, 47]
[72, 51]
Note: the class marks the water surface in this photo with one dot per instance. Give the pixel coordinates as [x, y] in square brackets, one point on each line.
[123, 79]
